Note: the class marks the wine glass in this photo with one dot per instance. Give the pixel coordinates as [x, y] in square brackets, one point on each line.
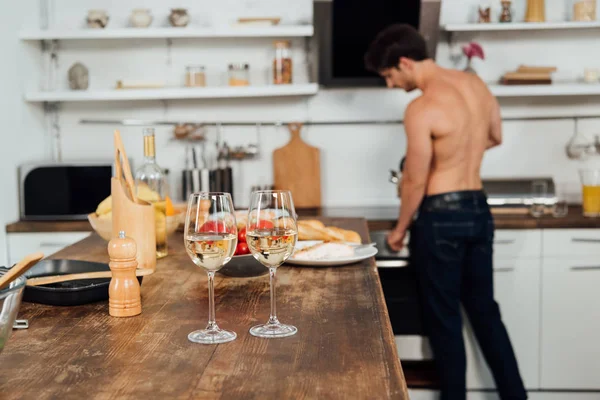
[271, 234]
[210, 238]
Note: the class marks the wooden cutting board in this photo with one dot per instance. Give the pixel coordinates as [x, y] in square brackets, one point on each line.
[297, 167]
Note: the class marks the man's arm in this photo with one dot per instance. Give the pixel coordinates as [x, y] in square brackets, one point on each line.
[495, 136]
[416, 169]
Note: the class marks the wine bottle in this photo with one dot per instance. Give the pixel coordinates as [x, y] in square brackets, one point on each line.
[151, 186]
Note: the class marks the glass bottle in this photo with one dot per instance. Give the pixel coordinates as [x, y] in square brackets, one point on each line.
[239, 74]
[151, 186]
[282, 63]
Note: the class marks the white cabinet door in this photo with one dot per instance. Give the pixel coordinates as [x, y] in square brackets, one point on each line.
[517, 291]
[512, 244]
[571, 323]
[571, 242]
[21, 244]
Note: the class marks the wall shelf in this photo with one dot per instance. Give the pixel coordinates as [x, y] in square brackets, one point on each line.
[169, 33]
[173, 93]
[519, 26]
[555, 89]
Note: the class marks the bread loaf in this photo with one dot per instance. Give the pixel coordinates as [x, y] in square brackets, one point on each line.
[316, 230]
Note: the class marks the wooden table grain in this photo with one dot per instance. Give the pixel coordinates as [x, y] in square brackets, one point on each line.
[344, 348]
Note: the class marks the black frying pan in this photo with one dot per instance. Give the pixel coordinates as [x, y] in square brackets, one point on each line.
[71, 293]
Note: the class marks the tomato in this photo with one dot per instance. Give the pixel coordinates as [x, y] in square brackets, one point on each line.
[216, 227]
[242, 235]
[263, 224]
[241, 249]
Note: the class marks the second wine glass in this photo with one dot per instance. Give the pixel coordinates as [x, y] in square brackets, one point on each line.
[210, 238]
[271, 233]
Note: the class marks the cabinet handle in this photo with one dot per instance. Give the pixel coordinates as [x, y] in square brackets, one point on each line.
[53, 244]
[585, 240]
[504, 241]
[585, 268]
[504, 269]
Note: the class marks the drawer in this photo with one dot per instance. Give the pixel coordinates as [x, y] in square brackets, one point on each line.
[517, 243]
[21, 244]
[571, 242]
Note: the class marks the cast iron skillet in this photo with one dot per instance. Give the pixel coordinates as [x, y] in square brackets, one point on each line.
[71, 293]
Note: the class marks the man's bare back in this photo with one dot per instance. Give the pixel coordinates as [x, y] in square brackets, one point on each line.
[462, 115]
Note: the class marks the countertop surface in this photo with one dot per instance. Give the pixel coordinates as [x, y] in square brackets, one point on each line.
[379, 218]
[344, 347]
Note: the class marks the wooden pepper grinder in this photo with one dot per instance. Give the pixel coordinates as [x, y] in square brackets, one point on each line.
[124, 291]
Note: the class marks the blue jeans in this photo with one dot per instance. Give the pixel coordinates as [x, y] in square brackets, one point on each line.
[451, 245]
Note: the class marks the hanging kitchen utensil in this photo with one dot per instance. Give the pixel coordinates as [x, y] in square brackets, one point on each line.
[297, 167]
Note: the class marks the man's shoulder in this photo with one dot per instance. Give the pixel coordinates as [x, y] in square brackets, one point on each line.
[422, 106]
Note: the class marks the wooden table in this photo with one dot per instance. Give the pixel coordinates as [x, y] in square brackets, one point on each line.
[344, 348]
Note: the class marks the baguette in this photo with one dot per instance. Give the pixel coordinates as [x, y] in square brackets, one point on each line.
[314, 223]
[347, 235]
[316, 230]
[307, 232]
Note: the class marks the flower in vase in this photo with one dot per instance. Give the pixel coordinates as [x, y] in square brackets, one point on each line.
[470, 51]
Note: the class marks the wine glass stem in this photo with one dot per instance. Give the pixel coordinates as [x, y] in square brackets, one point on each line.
[212, 323]
[273, 284]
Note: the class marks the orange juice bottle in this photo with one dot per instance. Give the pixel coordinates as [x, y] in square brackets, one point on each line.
[591, 200]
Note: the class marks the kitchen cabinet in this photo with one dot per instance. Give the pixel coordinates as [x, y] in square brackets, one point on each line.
[21, 244]
[517, 243]
[517, 291]
[571, 242]
[570, 349]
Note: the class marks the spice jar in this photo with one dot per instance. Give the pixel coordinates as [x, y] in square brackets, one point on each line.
[282, 63]
[195, 76]
[239, 74]
[506, 13]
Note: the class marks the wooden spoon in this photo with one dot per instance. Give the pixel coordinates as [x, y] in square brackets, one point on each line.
[47, 280]
[20, 268]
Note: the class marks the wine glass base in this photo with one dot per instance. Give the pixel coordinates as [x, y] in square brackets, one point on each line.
[273, 330]
[206, 336]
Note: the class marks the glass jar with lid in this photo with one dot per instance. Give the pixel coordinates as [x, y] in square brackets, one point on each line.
[195, 76]
[282, 63]
[239, 74]
[583, 10]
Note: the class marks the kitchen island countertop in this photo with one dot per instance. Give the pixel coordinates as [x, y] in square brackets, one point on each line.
[344, 348]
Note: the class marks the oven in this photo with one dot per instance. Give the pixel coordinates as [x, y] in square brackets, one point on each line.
[399, 283]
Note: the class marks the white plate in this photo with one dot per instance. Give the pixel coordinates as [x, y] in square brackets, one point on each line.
[360, 254]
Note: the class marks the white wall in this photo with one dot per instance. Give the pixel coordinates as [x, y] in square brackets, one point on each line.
[355, 159]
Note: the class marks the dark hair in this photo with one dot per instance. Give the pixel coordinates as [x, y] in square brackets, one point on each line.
[393, 42]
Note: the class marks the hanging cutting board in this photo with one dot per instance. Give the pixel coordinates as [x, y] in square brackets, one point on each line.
[297, 167]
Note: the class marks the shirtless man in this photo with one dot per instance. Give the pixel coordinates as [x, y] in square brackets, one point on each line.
[448, 128]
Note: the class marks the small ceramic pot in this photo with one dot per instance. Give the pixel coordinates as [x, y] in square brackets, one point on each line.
[140, 18]
[97, 19]
[179, 17]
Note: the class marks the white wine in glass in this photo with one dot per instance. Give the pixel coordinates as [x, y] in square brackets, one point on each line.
[210, 238]
[271, 234]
